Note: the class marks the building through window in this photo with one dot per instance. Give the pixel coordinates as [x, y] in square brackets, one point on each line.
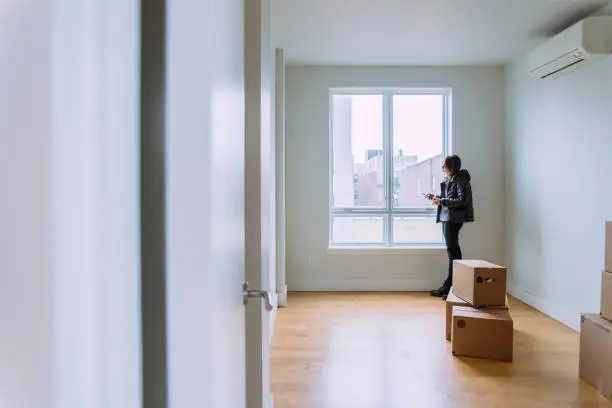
[387, 148]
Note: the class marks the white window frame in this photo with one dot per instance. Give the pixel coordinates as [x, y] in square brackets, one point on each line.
[388, 211]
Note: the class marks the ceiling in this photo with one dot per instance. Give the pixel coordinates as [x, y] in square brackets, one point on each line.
[418, 32]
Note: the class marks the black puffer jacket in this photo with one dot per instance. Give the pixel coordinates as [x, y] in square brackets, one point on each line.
[457, 196]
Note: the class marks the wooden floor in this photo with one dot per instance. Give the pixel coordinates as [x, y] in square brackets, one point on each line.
[388, 351]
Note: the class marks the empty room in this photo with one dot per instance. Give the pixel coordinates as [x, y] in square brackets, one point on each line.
[306, 204]
[442, 186]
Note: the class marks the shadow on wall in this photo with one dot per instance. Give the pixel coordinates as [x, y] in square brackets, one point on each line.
[527, 256]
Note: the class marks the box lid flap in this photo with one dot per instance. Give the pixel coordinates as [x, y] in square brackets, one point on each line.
[477, 263]
[491, 314]
[452, 298]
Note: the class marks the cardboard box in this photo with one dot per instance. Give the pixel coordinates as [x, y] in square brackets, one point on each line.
[606, 295]
[454, 300]
[595, 365]
[480, 283]
[608, 261]
[482, 333]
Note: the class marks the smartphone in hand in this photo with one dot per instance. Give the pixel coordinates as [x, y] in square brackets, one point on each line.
[428, 196]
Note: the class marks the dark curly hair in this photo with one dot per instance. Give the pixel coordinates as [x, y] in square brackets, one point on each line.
[453, 163]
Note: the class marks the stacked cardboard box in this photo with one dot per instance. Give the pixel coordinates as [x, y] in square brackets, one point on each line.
[596, 332]
[606, 284]
[478, 322]
[596, 352]
[453, 300]
[606, 295]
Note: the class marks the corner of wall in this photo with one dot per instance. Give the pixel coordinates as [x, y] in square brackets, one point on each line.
[605, 10]
[273, 315]
[282, 297]
[505, 132]
[553, 310]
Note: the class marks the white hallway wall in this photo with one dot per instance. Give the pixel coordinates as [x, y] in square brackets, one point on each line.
[69, 250]
[96, 201]
[478, 127]
[557, 152]
[26, 295]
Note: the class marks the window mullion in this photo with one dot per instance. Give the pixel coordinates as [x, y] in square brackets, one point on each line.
[446, 112]
[388, 148]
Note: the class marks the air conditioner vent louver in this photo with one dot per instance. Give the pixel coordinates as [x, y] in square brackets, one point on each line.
[558, 64]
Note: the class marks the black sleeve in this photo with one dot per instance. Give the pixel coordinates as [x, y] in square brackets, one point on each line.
[464, 196]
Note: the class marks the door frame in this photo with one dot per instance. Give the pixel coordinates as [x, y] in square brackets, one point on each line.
[279, 119]
[153, 188]
[260, 183]
[152, 203]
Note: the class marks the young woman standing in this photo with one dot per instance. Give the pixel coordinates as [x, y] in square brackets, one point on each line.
[455, 208]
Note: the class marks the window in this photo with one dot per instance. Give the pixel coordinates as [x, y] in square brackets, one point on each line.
[387, 148]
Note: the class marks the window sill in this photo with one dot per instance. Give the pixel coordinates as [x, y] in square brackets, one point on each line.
[399, 250]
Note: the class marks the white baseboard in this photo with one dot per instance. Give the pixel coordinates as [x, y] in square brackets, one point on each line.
[558, 312]
[366, 285]
[282, 297]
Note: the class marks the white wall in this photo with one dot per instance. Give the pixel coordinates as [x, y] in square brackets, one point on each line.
[69, 301]
[279, 123]
[268, 152]
[26, 296]
[205, 203]
[478, 108]
[558, 145]
[96, 203]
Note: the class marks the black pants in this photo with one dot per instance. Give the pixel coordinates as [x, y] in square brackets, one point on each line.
[451, 236]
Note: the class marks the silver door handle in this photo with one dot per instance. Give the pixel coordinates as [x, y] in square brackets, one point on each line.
[264, 294]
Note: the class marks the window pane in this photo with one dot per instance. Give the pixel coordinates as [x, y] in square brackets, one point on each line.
[358, 161]
[357, 230]
[417, 148]
[416, 231]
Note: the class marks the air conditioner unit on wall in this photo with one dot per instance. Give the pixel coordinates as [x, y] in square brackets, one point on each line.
[585, 42]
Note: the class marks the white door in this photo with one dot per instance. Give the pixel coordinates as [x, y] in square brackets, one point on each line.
[205, 204]
[260, 199]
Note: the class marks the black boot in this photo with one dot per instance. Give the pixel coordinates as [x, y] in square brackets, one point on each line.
[442, 290]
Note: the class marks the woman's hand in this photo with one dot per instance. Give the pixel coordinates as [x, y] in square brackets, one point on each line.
[436, 201]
